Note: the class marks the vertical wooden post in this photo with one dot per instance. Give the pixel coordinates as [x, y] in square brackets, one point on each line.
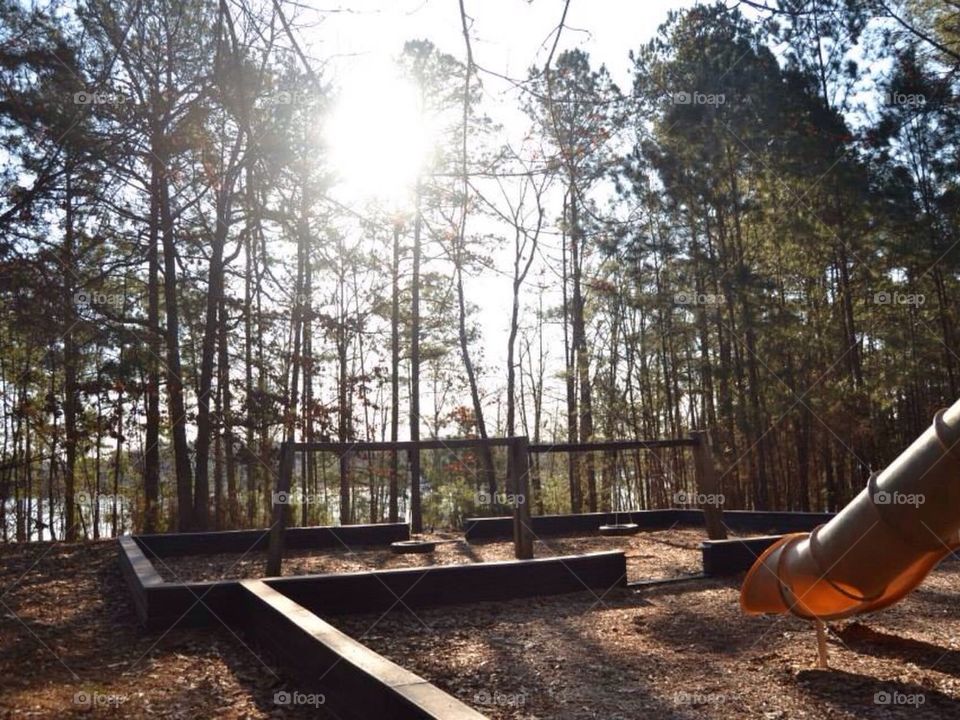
[518, 462]
[822, 659]
[707, 485]
[346, 517]
[280, 503]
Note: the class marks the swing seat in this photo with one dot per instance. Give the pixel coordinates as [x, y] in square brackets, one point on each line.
[619, 529]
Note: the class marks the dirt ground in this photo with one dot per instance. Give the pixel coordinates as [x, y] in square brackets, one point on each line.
[659, 554]
[70, 646]
[681, 651]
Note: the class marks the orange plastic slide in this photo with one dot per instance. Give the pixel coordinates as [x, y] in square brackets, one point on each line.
[879, 547]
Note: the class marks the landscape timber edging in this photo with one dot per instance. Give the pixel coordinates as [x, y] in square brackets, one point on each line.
[296, 538]
[730, 557]
[160, 605]
[440, 585]
[139, 574]
[357, 683]
[501, 528]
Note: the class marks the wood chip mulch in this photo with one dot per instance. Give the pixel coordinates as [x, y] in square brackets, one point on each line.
[70, 646]
[658, 554]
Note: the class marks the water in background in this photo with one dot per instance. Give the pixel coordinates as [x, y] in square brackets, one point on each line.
[84, 504]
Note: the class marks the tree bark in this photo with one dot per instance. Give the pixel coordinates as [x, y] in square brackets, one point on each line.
[71, 361]
[395, 376]
[178, 412]
[151, 459]
[416, 513]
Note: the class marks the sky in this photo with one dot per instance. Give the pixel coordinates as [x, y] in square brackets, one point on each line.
[508, 35]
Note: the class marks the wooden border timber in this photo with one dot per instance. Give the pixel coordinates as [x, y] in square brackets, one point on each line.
[356, 682]
[161, 605]
[298, 538]
[442, 585]
[730, 557]
[500, 528]
[139, 574]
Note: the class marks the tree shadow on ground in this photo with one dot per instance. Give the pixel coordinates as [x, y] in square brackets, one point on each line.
[271, 688]
[97, 648]
[869, 697]
[690, 631]
[862, 639]
[613, 685]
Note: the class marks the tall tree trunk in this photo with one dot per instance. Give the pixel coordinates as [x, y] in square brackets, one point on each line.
[217, 429]
[97, 465]
[306, 474]
[20, 390]
[296, 320]
[264, 442]
[344, 410]
[395, 376]
[569, 348]
[485, 451]
[151, 459]
[538, 408]
[580, 347]
[28, 475]
[52, 476]
[201, 489]
[118, 455]
[226, 417]
[416, 513]
[71, 361]
[178, 412]
[253, 412]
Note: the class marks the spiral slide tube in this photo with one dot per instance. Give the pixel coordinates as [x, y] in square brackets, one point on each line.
[879, 547]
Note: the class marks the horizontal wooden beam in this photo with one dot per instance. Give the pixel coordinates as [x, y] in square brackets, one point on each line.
[471, 443]
[441, 585]
[758, 521]
[163, 605]
[402, 445]
[611, 445]
[338, 537]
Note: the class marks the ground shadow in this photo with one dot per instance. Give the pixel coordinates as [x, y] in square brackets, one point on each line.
[869, 697]
[862, 639]
[270, 687]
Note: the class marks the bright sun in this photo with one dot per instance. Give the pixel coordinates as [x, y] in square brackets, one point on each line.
[378, 137]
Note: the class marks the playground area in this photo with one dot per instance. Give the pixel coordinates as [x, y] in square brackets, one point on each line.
[480, 361]
[680, 650]
[614, 615]
[650, 555]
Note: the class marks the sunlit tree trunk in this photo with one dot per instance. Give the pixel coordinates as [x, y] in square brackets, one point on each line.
[416, 513]
[395, 375]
